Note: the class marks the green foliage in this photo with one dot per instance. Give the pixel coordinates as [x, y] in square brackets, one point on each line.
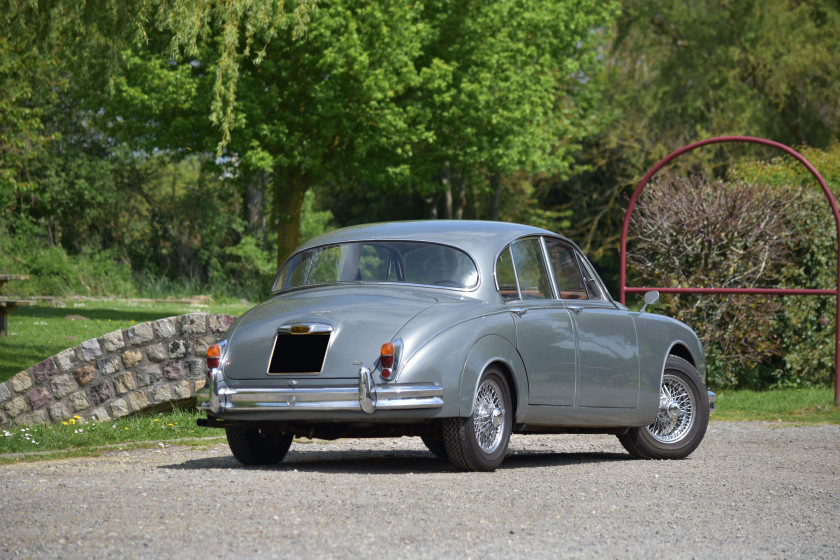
[697, 234]
[806, 327]
[52, 272]
[762, 240]
[313, 222]
[679, 72]
[94, 33]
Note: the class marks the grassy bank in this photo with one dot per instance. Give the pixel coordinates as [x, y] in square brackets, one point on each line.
[74, 438]
[41, 331]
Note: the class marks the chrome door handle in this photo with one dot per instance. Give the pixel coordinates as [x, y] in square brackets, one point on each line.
[518, 310]
[576, 308]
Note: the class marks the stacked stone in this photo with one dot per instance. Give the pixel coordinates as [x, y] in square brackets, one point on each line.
[117, 374]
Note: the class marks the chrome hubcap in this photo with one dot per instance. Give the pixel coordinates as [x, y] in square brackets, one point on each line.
[489, 416]
[677, 408]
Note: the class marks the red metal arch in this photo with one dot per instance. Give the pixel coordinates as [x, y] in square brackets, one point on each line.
[624, 289]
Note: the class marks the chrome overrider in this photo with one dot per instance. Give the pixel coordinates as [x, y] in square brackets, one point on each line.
[365, 396]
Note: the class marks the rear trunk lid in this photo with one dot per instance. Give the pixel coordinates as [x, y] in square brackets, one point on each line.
[320, 333]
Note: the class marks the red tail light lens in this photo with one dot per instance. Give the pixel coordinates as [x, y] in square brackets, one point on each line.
[214, 354]
[386, 356]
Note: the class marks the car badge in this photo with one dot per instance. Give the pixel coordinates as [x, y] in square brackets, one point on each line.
[320, 312]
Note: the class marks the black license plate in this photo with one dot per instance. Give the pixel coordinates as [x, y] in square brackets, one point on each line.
[298, 353]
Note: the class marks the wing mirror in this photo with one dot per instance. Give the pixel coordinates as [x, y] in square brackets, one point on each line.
[651, 298]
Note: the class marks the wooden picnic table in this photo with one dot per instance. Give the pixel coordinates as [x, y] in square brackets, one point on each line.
[8, 304]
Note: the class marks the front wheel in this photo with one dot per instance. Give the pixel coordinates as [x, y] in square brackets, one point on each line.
[480, 441]
[258, 447]
[682, 419]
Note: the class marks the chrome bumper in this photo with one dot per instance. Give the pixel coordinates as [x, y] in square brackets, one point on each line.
[365, 396]
[712, 406]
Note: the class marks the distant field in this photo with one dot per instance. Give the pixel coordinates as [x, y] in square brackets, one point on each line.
[41, 331]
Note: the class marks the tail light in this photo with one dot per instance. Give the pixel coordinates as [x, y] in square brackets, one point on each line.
[387, 359]
[214, 355]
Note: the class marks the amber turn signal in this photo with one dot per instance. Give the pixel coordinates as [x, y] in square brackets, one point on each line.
[214, 353]
[386, 357]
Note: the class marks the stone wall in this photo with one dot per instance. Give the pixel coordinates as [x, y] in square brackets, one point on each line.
[145, 366]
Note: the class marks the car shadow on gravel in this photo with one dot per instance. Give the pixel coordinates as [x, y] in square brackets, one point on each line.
[394, 462]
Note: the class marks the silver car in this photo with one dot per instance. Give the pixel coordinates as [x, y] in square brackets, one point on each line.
[460, 333]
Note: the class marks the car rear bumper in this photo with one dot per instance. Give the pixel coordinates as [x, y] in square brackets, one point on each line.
[365, 396]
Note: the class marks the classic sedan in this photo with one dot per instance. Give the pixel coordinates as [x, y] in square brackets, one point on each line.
[460, 333]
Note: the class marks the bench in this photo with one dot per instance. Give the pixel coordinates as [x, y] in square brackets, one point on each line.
[8, 304]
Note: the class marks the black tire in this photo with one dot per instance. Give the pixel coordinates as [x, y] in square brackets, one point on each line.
[480, 441]
[258, 447]
[435, 445]
[674, 434]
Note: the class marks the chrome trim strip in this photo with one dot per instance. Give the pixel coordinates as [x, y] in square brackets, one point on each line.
[313, 328]
[366, 396]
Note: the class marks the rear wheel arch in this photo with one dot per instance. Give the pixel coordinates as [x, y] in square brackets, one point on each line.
[493, 351]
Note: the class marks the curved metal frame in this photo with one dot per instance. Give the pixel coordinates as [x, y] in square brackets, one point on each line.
[624, 289]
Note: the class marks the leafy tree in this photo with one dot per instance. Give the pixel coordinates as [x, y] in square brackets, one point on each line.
[679, 72]
[506, 93]
[89, 29]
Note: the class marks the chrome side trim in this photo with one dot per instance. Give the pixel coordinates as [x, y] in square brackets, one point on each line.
[365, 396]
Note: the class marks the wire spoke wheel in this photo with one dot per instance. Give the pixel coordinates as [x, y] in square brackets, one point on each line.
[677, 409]
[682, 418]
[479, 442]
[489, 416]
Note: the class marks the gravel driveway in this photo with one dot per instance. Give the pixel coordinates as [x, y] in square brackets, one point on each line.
[752, 490]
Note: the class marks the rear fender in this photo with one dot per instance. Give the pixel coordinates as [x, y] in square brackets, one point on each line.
[488, 350]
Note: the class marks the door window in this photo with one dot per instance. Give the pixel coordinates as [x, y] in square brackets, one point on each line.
[572, 283]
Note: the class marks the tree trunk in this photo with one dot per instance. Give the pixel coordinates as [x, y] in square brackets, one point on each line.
[446, 179]
[462, 200]
[496, 186]
[289, 201]
[253, 203]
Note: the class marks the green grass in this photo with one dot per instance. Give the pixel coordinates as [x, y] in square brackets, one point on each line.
[43, 330]
[74, 438]
[807, 405]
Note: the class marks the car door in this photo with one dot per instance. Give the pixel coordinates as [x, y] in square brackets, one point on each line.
[544, 330]
[608, 355]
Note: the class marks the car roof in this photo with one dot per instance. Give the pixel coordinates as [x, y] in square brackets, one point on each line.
[474, 236]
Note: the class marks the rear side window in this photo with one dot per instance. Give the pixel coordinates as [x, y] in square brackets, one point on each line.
[530, 279]
[506, 277]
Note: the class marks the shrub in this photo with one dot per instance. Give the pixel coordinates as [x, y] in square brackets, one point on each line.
[680, 229]
[696, 233]
[806, 327]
